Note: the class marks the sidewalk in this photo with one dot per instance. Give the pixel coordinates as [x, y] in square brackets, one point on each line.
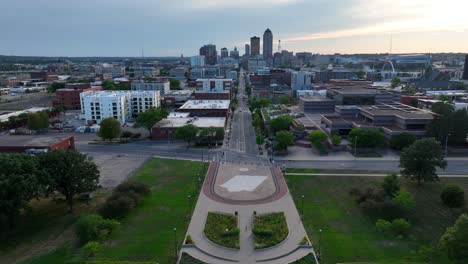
[365, 174]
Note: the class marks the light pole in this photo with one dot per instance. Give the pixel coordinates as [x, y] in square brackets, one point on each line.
[188, 206]
[199, 182]
[446, 144]
[320, 243]
[302, 207]
[175, 244]
[355, 145]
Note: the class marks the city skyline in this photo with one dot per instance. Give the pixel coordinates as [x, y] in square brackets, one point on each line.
[171, 28]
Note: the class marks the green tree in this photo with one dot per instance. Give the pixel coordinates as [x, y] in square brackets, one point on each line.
[94, 228]
[44, 119]
[395, 82]
[419, 161]
[69, 173]
[405, 199]
[259, 139]
[455, 240]
[149, 118]
[34, 121]
[336, 140]
[109, 128]
[187, 133]
[108, 85]
[55, 86]
[281, 123]
[402, 141]
[174, 84]
[401, 227]
[360, 74]
[283, 139]
[459, 128]
[442, 123]
[318, 139]
[284, 100]
[366, 138]
[453, 196]
[391, 184]
[18, 184]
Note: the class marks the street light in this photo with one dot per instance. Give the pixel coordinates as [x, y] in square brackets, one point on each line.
[175, 244]
[446, 144]
[302, 207]
[355, 145]
[320, 243]
[188, 206]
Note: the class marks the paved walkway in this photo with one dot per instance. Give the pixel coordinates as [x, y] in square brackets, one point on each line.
[366, 174]
[286, 252]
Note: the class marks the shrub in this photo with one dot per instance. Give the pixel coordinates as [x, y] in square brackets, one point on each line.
[386, 209]
[453, 196]
[263, 232]
[94, 227]
[136, 136]
[117, 206]
[137, 187]
[126, 134]
[402, 141]
[336, 140]
[90, 249]
[401, 227]
[405, 199]
[369, 193]
[231, 233]
[188, 240]
[391, 184]
[383, 225]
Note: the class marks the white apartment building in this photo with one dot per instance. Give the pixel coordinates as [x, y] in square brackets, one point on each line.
[121, 105]
[162, 86]
[302, 80]
[197, 61]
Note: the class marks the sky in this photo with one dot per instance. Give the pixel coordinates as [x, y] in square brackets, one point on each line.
[175, 27]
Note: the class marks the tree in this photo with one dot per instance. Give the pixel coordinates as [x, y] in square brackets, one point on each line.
[402, 141]
[284, 100]
[149, 118]
[108, 85]
[110, 128]
[336, 140]
[459, 128]
[69, 173]
[44, 119]
[360, 74]
[55, 86]
[18, 184]
[259, 139]
[395, 82]
[283, 139]
[455, 240]
[453, 196]
[281, 123]
[405, 199]
[366, 138]
[187, 133]
[419, 161]
[174, 84]
[94, 227]
[391, 184]
[34, 122]
[442, 123]
[318, 138]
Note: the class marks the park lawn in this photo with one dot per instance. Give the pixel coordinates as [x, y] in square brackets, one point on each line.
[334, 171]
[147, 233]
[350, 236]
[222, 229]
[270, 230]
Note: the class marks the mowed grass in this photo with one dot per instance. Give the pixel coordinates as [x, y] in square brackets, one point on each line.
[147, 233]
[350, 236]
[270, 230]
[222, 229]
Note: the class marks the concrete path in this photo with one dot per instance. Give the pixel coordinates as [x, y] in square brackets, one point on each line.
[367, 175]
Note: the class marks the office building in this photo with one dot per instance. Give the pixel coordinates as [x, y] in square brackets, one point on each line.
[197, 73]
[268, 44]
[209, 51]
[234, 53]
[143, 71]
[247, 50]
[162, 85]
[254, 46]
[224, 53]
[197, 61]
[206, 108]
[69, 97]
[302, 80]
[178, 73]
[213, 89]
[465, 71]
[212, 72]
[121, 105]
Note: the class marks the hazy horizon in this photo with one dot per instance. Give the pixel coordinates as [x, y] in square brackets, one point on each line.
[164, 28]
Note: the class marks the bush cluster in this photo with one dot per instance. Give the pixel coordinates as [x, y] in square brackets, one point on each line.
[125, 197]
[94, 228]
[399, 227]
[453, 196]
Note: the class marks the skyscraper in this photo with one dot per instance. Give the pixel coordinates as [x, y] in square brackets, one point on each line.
[209, 51]
[247, 50]
[234, 53]
[465, 72]
[267, 44]
[224, 53]
[254, 46]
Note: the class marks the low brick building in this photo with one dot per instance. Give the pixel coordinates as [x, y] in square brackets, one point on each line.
[24, 143]
[69, 97]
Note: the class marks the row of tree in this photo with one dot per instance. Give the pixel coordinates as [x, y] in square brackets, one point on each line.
[24, 177]
[205, 135]
[449, 124]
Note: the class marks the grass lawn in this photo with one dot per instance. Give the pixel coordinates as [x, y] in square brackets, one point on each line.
[309, 259]
[146, 234]
[350, 236]
[222, 229]
[187, 259]
[270, 230]
[334, 171]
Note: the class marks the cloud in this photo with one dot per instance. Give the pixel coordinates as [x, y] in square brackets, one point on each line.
[238, 4]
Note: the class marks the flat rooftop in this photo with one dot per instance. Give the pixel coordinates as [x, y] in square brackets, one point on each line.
[196, 121]
[178, 93]
[315, 99]
[206, 104]
[405, 112]
[356, 90]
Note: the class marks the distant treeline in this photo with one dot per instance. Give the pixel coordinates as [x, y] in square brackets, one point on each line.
[45, 60]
